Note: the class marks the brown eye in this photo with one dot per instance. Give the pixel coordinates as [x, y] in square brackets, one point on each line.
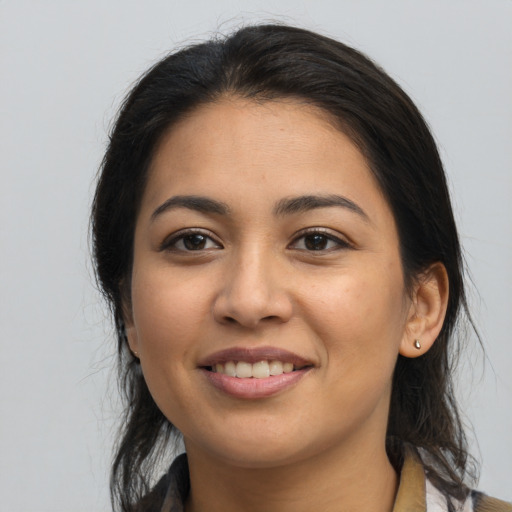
[194, 242]
[190, 241]
[316, 242]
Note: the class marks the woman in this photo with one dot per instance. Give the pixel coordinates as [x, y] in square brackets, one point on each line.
[273, 231]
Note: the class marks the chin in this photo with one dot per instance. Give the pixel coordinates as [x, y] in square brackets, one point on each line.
[264, 449]
[263, 457]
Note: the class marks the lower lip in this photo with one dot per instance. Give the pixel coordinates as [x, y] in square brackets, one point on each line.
[252, 388]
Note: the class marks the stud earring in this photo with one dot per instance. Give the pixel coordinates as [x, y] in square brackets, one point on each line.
[417, 344]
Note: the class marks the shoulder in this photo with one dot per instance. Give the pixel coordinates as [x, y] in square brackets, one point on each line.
[416, 492]
[152, 502]
[170, 493]
[484, 503]
[476, 501]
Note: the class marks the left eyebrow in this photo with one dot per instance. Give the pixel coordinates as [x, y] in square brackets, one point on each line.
[302, 204]
[197, 203]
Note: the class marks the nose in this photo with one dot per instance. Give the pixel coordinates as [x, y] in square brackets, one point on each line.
[254, 291]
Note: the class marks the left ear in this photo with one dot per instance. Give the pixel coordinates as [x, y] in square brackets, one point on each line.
[426, 312]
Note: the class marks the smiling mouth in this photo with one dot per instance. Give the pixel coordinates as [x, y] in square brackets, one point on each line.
[259, 370]
[254, 373]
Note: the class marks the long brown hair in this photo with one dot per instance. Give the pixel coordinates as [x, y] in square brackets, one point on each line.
[272, 61]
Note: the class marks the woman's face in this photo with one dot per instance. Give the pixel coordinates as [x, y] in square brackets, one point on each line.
[264, 244]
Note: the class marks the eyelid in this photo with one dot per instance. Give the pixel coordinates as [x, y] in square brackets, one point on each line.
[342, 241]
[170, 240]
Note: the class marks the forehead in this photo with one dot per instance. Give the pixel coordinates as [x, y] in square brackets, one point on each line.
[235, 149]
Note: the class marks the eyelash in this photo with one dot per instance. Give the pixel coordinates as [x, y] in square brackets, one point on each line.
[327, 235]
[170, 244]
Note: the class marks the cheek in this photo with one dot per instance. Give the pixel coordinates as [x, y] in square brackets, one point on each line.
[167, 313]
[359, 314]
[167, 320]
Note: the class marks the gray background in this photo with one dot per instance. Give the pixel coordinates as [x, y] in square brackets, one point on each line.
[64, 69]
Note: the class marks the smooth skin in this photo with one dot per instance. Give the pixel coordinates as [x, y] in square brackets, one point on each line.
[325, 283]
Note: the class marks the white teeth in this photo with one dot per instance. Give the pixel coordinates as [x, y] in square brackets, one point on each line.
[230, 369]
[243, 370]
[287, 367]
[259, 370]
[276, 368]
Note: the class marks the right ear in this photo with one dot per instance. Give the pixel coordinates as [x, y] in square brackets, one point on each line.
[427, 311]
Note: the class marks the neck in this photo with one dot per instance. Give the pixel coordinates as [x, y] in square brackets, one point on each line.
[332, 481]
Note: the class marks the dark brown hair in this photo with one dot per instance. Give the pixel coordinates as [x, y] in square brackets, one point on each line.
[267, 62]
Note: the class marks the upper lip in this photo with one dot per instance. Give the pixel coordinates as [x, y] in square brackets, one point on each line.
[254, 355]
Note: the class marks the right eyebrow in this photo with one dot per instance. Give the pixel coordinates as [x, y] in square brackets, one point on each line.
[302, 204]
[196, 203]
